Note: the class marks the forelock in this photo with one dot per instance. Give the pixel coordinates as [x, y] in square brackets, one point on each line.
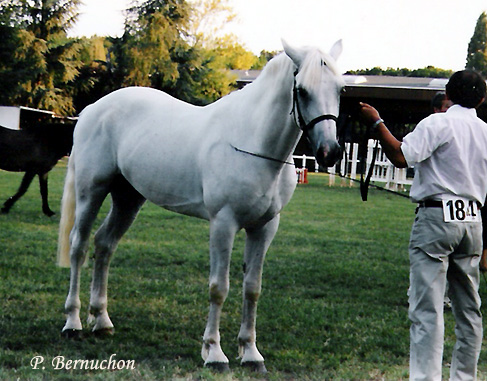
[311, 69]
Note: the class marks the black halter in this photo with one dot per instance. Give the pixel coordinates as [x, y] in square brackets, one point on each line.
[299, 120]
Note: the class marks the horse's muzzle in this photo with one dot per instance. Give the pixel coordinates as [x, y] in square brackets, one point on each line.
[327, 155]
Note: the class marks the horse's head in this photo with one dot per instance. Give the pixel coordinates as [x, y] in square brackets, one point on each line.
[316, 99]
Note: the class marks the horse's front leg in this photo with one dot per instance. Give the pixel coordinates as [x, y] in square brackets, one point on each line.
[24, 185]
[222, 235]
[43, 188]
[257, 243]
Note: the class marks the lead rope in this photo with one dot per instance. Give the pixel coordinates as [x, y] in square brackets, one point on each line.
[364, 183]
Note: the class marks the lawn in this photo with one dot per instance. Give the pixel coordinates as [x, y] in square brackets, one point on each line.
[334, 302]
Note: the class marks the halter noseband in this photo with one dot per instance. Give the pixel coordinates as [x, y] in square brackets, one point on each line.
[300, 122]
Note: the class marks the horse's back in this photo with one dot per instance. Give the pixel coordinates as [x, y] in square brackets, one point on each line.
[137, 109]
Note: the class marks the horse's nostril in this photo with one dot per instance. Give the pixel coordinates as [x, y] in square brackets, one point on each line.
[327, 156]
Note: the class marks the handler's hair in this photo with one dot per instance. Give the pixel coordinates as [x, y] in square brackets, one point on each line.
[466, 88]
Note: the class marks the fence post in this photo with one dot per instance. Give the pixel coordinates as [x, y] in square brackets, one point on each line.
[354, 162]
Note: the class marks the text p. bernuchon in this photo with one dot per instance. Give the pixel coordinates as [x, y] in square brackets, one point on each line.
[61, 363]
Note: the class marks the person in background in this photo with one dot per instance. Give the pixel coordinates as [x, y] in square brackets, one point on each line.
[440, 102]
[446, 237]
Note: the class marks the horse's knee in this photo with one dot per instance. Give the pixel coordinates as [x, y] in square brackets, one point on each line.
[79, 247]
[103, 248]
[252, 290]
[219, 291]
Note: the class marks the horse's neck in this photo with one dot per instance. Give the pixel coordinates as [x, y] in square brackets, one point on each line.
[269, 128]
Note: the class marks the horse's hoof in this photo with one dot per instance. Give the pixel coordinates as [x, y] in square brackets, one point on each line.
[219, 367]
[49, 213]
[105, 332]
[5, 210]
[255, 366]
[74, 334]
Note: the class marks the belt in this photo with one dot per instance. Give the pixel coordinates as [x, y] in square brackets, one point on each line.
[430, 204]
[436, 204]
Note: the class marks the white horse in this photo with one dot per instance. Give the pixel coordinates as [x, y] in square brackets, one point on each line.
[229, 162]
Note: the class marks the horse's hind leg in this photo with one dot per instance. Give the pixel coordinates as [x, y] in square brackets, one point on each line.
[24, 185]
[257, 243]
[126, 203]
[88, 203]
[43, 187]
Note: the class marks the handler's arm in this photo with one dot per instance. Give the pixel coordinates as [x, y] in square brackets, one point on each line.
[390, 145]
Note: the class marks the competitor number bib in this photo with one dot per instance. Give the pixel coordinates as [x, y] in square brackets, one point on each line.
[460, 210]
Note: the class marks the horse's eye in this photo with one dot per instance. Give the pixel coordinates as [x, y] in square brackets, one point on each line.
[302, 92]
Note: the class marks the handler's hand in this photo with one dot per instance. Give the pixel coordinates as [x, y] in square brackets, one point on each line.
[368, 114]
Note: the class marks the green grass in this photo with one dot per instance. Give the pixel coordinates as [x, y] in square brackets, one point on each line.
[334, 303]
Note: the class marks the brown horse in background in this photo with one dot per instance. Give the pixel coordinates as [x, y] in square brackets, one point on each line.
[35, 152]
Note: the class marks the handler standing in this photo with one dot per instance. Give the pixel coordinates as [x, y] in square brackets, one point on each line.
[449, 155]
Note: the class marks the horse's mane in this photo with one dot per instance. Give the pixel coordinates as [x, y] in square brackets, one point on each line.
[276, 70]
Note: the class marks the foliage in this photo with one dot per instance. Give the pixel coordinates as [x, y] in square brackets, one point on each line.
[44, 61]
[334, 303]
[231, 54]
[168, 44]
[21, 59]
[264, 57]
[96, 76]
[154, 34]
[427, 72]
[164, 46]
[477, 48]
[208, 18]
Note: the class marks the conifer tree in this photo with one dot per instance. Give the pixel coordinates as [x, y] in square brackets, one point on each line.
[43, 61]
[477, 48]
[160, 49]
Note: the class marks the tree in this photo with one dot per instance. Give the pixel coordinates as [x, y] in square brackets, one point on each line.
[208, 18]
[427, 72]
[158, 50]
[46, 61]
[231, 54]
[96, 76]
[21, 58]
[477, 48]
[264, 57]
[171, 45]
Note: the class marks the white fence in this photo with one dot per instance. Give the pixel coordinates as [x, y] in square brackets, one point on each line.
[384, 172]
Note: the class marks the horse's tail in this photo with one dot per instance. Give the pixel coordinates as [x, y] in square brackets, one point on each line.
[68, 204]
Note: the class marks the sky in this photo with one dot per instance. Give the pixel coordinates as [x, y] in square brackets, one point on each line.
[386, 33]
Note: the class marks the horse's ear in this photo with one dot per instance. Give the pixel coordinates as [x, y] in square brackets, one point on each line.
[293, 53]
[336, 49]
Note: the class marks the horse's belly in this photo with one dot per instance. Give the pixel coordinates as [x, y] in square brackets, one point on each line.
[193, 208]
[171, 189]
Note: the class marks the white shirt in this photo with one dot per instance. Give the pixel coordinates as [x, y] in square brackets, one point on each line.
[449, 154]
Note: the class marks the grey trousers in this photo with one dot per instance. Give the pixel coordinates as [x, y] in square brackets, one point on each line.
[439, 251]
